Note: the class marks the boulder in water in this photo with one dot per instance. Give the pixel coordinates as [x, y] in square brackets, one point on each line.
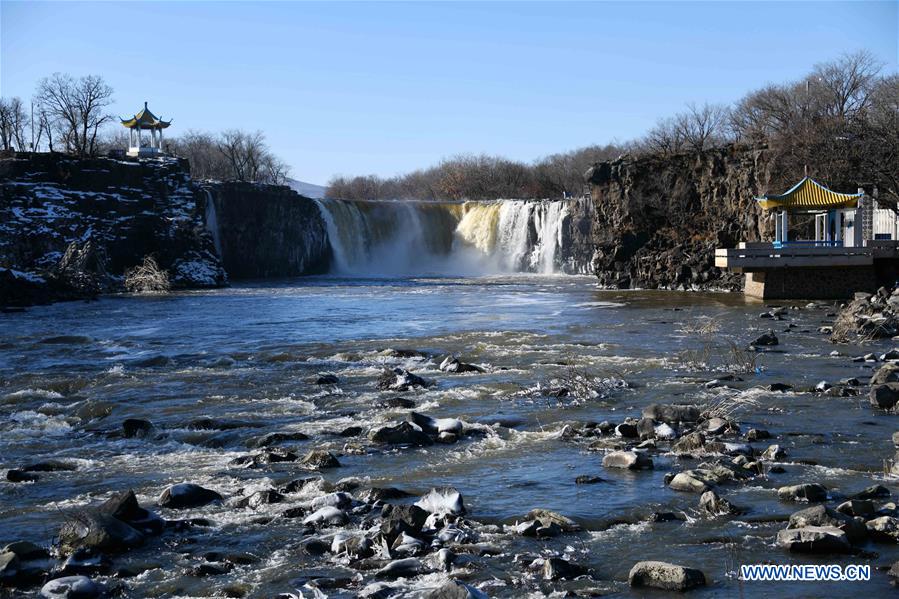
[765, 340]
[16, 475]
[187, 495]
[873, 492]
[71, 587]
[400, 379]
[814, 539]
[665, 576]
[404, 433]
[401, 568]
[631, 460]
[442, 500]
[454, 589]
[319, 459]
[327, 379]
[556, 568]
[884, 529]
[396, 519]
[888, 373]
[884, 396]
[689, 443]
[548, 518]
[124, 507]
[136, 427]
[811, 492]
[98, 532]
[436, 426]
[715, 505]
[328, 515]
[451, 364]
[820, 515]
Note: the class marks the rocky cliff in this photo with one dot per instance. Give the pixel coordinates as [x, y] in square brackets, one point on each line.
[657, 220]
[266, 231]
[71, 228]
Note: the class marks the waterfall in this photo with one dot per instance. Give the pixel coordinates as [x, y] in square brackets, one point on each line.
[212, 223]
[449, 238]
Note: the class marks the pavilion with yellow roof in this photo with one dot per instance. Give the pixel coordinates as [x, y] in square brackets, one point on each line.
[145, 120]
[834, 213]
[855, 248]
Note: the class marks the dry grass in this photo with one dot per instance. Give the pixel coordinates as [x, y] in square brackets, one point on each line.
[726, 407]
[712, 354]
[147, 278]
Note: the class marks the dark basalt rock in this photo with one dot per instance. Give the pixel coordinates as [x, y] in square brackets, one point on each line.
[400, 379]
[98, 532]
[71, 587]
[71, 227]
[397, 402]
[327, 379]
[16, 475]
[124, 506]
[556, 568]
[765, 340]
[278, 438]
[136, 427]
[884, 396]
[397, 519]
[187, 495]
[320, 459]
[451, 364]
[404, 433]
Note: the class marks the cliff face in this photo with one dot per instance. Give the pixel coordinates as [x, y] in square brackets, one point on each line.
[70, 228]
[266, 231]
[658, 220]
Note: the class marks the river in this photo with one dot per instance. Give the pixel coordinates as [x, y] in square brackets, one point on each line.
[249, 356]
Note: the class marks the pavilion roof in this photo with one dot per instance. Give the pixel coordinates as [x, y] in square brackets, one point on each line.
[145, 120]
[808, 194]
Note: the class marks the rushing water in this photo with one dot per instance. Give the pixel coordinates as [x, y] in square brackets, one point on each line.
[71, 373]
[466, 238]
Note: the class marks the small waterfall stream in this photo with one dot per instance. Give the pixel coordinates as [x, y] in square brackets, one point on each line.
[212, 223]
[470, 238]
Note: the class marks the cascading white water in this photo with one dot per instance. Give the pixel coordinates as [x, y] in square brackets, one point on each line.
[212, 223]
[415, 238]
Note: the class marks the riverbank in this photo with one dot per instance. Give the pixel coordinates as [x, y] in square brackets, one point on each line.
[276, 399]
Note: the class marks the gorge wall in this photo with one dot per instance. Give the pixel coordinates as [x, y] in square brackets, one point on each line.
[658, 220]
[263, 231]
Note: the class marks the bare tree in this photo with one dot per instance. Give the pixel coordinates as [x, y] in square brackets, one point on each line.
[702, 127]
[76, 108]
[845, 85]
[12, 124]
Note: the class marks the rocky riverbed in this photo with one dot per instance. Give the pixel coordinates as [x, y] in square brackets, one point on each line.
[502, 437]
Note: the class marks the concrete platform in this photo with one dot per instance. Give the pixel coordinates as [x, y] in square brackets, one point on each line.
[807, 271]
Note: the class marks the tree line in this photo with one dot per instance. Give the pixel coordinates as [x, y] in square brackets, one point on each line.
[841, 123]
[71, 115]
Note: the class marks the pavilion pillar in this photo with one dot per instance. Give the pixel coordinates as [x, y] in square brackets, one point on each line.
[159, 141]
[784, 227]
[139, 139]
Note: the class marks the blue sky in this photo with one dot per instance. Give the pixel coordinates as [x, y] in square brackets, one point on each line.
[359, 88]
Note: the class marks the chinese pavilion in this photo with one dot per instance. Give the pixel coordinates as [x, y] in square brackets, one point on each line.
[145, 121]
